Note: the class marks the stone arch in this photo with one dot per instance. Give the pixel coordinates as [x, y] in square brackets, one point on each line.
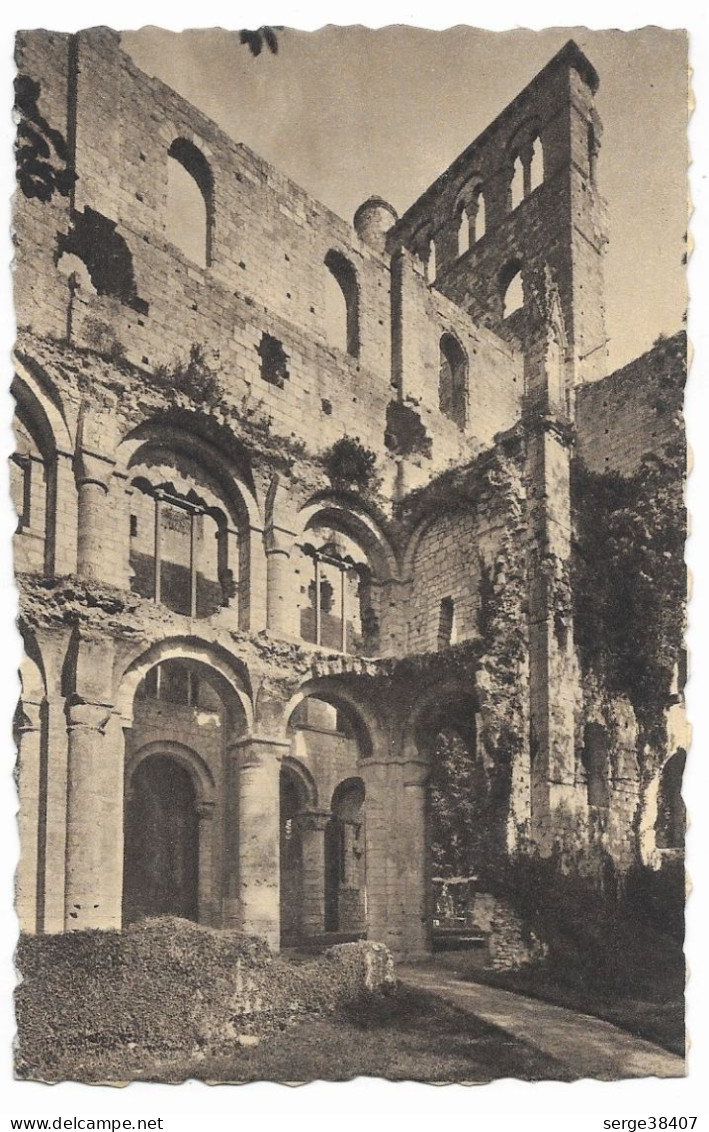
[344, 331]
[304, 778]
[511, 284]
[345, 560]
[345, 869]
[41, 400]
[453, 379]
[433, 704]
[230, 676]
[198, 472]
[670, 823]
[38, 424]
[345, 513]
[190, 158]
[365, 724]
[181, 753]
[163, 845]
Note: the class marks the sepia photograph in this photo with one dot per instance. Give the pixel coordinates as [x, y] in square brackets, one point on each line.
[349, 480]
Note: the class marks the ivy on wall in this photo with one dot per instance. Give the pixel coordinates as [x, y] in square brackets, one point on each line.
[629, 578]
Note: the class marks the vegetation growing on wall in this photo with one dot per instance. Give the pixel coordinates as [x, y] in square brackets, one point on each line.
[350, 466]
[629, 579]
[195, 378]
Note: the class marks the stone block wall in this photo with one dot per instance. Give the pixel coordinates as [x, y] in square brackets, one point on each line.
[634, 411]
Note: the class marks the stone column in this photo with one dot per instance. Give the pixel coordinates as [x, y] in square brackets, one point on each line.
[94, 838]
[277, 591]
[312, 830]
[63, 523]
[414, 864]
[93, 468]
[258, 831]
[205, 911]
[29, 741]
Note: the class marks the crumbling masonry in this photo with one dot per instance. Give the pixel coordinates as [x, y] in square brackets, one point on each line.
[297, 500]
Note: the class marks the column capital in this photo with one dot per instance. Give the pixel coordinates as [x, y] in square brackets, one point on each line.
[205, 810]
[88, 717]
[29, 717]
[257, 750]
[313, 821]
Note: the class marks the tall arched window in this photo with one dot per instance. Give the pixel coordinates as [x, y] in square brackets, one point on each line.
[512, 290]
[452, 379]
[463, 233]
[431, 268]
[447, 635]
[517, 186]
[190, 201]
[479, 215]
[342, 303]
[536, 168]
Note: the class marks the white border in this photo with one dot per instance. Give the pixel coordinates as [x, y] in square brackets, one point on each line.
[545, 1105]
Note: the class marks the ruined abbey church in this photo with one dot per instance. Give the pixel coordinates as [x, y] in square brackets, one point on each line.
[298, 496]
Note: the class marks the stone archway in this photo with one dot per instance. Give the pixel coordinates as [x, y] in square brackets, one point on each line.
[345, 867]
[161, 862]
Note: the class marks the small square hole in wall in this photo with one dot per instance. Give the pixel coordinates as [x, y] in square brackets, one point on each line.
[133, 526]
[326, 407]
[274, 361]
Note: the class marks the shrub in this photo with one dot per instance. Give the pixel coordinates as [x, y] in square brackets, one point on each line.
[195, 379]
[348, 464]
[167, 988]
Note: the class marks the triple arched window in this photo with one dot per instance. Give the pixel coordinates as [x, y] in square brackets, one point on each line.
[527, 170]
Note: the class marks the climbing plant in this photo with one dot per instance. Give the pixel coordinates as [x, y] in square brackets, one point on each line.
[629, 578]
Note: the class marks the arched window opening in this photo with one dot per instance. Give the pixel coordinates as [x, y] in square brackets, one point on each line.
[342, 304]
[592, 144]
[181, 684]
[336, 589]
[345, 898]
[161, 864]
[594, 757]
[463, 233]
[31, 481]
[517, 185]
[479, 215]
[180, 551]
[671, 812]
[447, 634]
[190, 201]
[512, 290]
[452, 380]
[536, 168]
[431, 269]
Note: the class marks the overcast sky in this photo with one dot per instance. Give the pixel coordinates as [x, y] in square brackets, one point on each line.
[350, 112]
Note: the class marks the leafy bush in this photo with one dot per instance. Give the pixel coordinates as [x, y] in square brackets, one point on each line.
[165, 988]
[349, 465]
[195, 379]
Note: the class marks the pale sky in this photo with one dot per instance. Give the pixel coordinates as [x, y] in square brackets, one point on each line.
[348, 112]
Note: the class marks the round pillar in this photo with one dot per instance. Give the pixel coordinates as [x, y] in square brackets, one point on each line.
[277, 591]
[93, 521]
[94, 831]
[258, 832]
[29, 736]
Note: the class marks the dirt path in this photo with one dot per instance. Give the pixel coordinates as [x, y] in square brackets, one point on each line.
[587, 1046]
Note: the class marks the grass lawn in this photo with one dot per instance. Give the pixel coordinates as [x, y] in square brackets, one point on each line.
[408, 1035]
